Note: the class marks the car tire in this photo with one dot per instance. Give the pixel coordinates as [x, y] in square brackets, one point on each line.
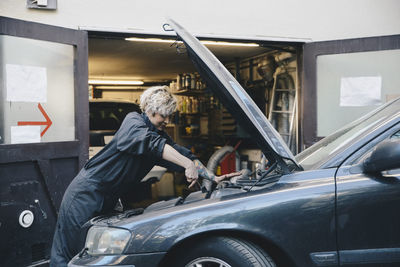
[223, 251]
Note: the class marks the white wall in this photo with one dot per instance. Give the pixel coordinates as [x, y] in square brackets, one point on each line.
[308, 19]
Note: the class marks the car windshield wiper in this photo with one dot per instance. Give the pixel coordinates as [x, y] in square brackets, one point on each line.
[270, 169]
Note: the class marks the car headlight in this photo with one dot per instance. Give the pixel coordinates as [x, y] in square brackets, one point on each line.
[106, 240]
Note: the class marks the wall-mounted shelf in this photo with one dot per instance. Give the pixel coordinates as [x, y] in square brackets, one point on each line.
[194, 136]
[189, 92]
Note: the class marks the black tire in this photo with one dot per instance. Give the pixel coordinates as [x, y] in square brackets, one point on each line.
[223, 251]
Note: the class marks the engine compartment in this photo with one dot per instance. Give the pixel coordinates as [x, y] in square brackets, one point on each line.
[246, 182]
[235, 185]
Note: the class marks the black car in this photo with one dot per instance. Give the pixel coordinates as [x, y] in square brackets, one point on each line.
[336, 203]
[105, 118]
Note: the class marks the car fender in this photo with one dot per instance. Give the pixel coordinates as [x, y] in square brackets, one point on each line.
[220, 227]
[162, 234]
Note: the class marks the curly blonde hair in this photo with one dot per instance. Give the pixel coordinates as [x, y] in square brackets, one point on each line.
[158, 99]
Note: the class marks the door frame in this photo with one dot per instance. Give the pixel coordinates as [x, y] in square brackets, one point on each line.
[80, 146]
[308, 118]
[44, 169]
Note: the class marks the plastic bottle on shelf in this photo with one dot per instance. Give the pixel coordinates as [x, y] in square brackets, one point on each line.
[187, 81]
[179, 104]
[193, 100]
[184, 110]
[198, 82]
[203, 85]
[192, 81]
[182, 81]
[172, 86]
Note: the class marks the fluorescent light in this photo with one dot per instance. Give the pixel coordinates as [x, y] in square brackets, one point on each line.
[119, 87]
[151, 40]
[170, 41]
[229, 43]
[110, 82]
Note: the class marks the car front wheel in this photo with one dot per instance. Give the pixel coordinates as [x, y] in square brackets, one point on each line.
[223, 252]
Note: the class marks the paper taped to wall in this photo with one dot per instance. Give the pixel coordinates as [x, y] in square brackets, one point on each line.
[25, 134]
[26, 83]
[360, 91]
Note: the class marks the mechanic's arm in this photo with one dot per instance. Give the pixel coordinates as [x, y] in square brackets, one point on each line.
[191, 172]
[206, 173]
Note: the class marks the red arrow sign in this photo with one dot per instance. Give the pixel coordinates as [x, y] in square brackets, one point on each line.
[48, 122]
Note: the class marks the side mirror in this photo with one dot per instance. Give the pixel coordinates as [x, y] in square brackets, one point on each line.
[386, 156]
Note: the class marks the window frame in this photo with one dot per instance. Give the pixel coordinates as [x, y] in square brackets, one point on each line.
[308, 118]
[79, 40]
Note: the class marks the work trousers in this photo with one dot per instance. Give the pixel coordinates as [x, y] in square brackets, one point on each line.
[81, 202]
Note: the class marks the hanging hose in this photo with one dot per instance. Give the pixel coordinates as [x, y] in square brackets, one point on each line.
[214, 161]
[217, 156]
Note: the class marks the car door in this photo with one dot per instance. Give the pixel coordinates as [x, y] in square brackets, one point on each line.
[368, 218]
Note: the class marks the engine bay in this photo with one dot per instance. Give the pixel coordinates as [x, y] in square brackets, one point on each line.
[247, 181]
[210, 190]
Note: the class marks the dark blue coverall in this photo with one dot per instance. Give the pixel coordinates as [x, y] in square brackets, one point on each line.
[136, 147]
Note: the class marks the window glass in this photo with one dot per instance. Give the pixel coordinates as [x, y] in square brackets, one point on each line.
[352, 84]
[37, 91]
[341, 139]
[369, 149]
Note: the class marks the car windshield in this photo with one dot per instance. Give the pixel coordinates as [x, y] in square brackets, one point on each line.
[109, 115]
[336, 142]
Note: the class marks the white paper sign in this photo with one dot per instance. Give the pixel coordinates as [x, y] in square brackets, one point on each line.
[25, 134]
[26, 83]
[360, 91]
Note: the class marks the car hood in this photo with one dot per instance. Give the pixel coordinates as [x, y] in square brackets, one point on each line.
[235, 99]
[194, 204]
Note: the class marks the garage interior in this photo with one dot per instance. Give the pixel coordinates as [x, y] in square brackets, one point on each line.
[268, 71]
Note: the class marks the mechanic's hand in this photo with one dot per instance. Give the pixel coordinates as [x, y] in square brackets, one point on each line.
[218, 179]
[191, 174]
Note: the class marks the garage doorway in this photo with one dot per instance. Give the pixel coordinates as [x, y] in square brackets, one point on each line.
[161, 60]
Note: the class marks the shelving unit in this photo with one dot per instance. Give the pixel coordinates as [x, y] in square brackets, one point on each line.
[271, 79]
[212, 121]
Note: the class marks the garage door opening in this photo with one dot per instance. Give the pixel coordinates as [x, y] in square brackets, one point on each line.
[122, 65]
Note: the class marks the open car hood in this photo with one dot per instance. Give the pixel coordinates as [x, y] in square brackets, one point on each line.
[235, 99]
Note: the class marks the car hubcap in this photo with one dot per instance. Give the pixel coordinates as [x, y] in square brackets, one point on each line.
[207, 262]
